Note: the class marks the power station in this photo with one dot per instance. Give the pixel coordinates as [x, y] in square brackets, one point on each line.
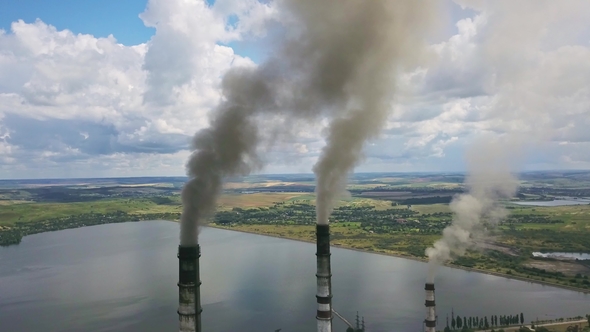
[430, 322]
[189, 294]
[324, 279]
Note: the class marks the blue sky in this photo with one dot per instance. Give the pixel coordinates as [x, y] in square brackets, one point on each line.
[96, 17]
[102, 18]
[497, 68]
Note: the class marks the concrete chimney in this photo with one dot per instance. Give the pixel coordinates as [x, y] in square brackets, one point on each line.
[430, 322]
[189, 295]
[324, 279]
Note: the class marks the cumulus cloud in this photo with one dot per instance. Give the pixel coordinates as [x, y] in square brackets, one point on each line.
[511, 68]
[73, 96]
[506, 68]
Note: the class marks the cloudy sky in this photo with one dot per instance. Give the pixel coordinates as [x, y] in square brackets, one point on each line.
[117, 88]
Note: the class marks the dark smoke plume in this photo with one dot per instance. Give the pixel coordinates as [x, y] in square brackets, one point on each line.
[338, 59]
[366, 44]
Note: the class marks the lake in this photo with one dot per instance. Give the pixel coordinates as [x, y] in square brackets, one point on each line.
[561, 201]
[122, 277]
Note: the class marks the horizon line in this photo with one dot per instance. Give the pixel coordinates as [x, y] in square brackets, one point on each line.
[286, 174]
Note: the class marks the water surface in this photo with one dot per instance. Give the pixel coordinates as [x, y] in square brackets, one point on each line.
[556, 202]
[122, 277]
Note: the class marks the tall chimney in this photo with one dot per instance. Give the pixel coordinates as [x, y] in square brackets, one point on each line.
[324, 279]
[189, 295]
[430, 322]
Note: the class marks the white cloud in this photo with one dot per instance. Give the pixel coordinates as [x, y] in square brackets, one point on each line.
[73, 101]
[129, 100]
[513, 68]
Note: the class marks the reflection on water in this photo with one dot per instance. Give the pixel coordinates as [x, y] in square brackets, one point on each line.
[122, 277]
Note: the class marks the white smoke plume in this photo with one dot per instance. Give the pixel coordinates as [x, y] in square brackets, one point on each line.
[529, 100]
[489, 182]
[338, 59]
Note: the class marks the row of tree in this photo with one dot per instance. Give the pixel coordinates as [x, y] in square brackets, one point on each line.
[476, 322]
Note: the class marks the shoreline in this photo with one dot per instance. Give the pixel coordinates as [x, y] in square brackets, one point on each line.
[418, 259]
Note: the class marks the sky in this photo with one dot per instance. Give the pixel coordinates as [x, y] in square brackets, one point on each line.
[118, 88]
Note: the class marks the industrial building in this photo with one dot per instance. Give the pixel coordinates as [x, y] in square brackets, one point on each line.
[189, 299]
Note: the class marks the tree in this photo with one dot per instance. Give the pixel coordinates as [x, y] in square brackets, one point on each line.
[521, 318]
[453, 322]
[459, 322]
[464, 321]
[447, 329]
[485, 322]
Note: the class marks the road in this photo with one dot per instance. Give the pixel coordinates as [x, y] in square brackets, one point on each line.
[564, 323]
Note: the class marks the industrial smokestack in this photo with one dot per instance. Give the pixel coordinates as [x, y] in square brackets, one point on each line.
[189, 295]
[324, 279]
[430, 322]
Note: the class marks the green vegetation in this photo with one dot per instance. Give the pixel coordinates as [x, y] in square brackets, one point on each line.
[474, 323]
[397, 214]
[513, 323]
[12, 214]
[15, 234]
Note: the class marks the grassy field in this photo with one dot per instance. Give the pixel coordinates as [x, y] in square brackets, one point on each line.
[23, 211]
[27, 212]
[255, 200]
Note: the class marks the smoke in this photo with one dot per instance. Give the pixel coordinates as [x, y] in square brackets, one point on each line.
[337, 59]
[490, 181]
[375, 40]
[529, 97]
[226, 148]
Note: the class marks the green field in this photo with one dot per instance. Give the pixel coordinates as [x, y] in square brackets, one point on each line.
[375, 216]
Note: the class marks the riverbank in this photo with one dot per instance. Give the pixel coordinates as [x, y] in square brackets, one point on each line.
[419, 259]
[13, 237]
[557, 326]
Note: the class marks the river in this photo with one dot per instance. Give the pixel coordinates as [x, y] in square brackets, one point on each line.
[122, 277]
